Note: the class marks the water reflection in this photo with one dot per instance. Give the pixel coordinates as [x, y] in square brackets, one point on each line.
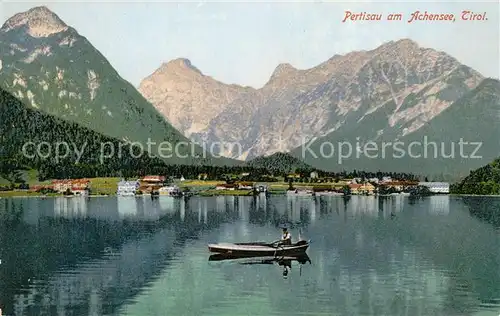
[166, 202]
[486, 209]
[221, 203]
[369, 256]
[439, 205]
[285, 262]
[181, 205]
[260, 260]
[69, 256]
[70, 206]
[202, 206]
[127, 206]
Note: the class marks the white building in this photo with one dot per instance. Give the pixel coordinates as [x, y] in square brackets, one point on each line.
[245, 186]
[437, 187]
[226, 186]
[127, 188]
[386, 179]
[169, 190]
[261, 187]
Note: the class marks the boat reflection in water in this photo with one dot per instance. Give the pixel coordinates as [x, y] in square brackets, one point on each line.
[284, 261]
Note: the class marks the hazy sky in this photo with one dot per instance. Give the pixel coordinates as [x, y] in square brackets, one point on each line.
[242, 42]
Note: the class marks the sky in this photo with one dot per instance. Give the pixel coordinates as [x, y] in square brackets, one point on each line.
[243, 42]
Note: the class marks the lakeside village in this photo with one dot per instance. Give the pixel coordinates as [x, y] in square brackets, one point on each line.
[293, 184]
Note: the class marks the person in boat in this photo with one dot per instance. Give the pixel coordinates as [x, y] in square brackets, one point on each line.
[286, 238]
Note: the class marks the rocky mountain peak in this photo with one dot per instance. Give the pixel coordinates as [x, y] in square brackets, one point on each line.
[404, 42]
[283, 69]
[38, 21]
[402, 46]
[179, 65]
[186, 97]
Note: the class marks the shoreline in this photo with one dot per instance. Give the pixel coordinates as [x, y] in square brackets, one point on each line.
[208, 193]
[474, 195]
[195, 188]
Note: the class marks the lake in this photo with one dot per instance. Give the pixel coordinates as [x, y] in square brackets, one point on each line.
[136, 256]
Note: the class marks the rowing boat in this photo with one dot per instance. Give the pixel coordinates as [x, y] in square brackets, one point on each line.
[259, 249]
[328, 193]
[300, 193]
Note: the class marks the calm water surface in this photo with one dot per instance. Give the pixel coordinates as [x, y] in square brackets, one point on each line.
[137, 256]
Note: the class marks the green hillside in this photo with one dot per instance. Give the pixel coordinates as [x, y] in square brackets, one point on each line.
[279, 163]
[21, 125]
[65, 76]
[484, 180]
[473, 118]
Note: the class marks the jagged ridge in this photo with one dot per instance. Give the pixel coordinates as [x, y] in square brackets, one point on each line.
[38, 21]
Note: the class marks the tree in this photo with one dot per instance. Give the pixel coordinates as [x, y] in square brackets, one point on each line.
[346, 189]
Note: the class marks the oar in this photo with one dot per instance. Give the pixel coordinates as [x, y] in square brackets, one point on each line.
[251, 243]
[258, 243]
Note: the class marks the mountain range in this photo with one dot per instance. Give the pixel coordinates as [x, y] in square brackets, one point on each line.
[398, 92]
[472, 119]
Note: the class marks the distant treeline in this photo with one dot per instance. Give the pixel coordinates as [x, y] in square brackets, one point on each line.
[279, 163]
[204, 173]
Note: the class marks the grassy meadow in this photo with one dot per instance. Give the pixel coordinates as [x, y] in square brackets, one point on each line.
[109, 186]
